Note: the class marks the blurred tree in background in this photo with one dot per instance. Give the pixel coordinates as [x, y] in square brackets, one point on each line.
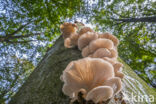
[29, 27]
[134, 23]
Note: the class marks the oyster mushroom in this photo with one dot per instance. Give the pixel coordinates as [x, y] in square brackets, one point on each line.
[104, 52]
[100, 43]
[95, 45]
[117, 66]
[111, 37]
[85, 39]
[88, 74]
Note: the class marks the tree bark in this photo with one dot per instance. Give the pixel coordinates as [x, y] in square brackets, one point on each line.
[45, 87]
[142, 19]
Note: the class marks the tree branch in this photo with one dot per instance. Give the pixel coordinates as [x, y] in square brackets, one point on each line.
[19, 29]
[8, 39]
[142, 19]
[15, 42]
[24, 36]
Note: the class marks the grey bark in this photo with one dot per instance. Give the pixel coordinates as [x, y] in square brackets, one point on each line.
[44, 86]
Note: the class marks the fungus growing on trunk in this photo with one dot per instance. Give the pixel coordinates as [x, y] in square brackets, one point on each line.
[111, 37]
[117, 67]
[95, 45]
[92, 75]
[98, 76]
[100, 43]
[99, 94]
[86, 38]
[85, 30]
[104, 52]
[69, 34]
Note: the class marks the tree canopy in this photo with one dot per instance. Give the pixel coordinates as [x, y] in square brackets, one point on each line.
[29, 27]
[134, 23]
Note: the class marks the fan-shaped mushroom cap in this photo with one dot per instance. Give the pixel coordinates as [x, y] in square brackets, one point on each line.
[104, 52]
[68, 91]
[68, 67]
[114, 53]
[118, 69]
[96, 47]
[85, 51]
[119, 74]
[97, 77]
[111, 60]
[86, 73]
[85, 39]
[111, 37]
[100, 93]
[100, 43]
[72, 41]
[114, 83]
[74, 38]
[69, 34]
[67, 43]
[85, 30]
[67, 29]
[117, 66]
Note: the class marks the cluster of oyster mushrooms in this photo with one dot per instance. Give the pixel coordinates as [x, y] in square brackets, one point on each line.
[98, 74]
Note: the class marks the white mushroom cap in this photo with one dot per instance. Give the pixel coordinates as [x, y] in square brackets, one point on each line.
[111, 37]
[67, 29]
[85, 52]
[117, 66]
[119, 74]
[99, 75]
[118, 69]
[85, 39]
[85, 30]
[104, 52]
[101, 52]
[114, 53]
[114, 83]
[100, 43]
[67, 43]
[68, 91]
[69, 66]
[111, 60]
[86, 73]
[100, 93]
[97, 44]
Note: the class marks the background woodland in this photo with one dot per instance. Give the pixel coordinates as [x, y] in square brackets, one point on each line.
[28, 28]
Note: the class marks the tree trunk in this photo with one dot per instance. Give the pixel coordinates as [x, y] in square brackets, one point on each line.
[142, 19]
[45, 87]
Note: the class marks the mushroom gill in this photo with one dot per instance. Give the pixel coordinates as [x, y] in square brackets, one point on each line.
[89, 74]
[98, 75]
[117, 66]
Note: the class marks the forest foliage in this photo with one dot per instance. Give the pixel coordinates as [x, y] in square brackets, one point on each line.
[29, 27]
